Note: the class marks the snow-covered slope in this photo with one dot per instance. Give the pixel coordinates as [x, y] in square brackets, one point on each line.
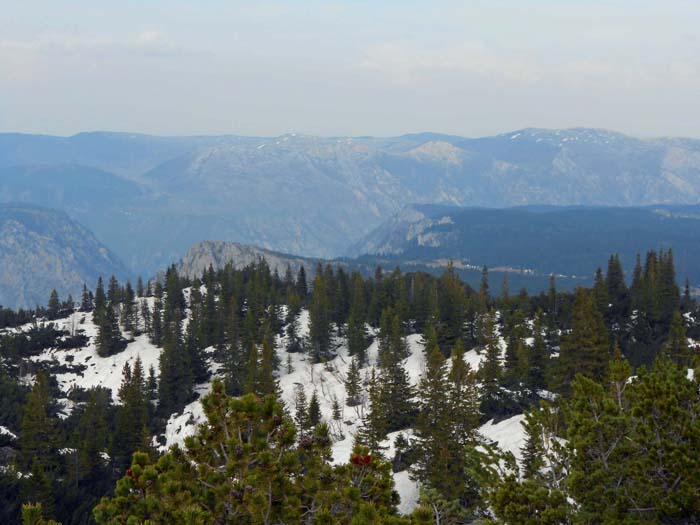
[84, 368]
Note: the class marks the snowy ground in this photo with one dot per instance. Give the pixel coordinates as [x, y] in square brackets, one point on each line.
[100, 371]
[326, 379]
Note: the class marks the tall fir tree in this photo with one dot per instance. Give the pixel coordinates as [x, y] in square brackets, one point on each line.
[585, 349]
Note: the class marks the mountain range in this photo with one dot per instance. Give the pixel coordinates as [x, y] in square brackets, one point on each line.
[42, 250]
[151, 198]
[530, 243]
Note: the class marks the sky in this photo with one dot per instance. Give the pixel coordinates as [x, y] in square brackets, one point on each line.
[373, 67]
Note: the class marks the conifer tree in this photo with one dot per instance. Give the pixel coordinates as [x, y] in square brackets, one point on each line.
[301, 285]
[252, 382]
[128, 313]
[109, 338]
[491, 371]
[39, 445]
[537, 355]
[374, 425]
[131, 416]
[357, 330]
[100, 301]
[463, 397]
[267, 384]
[301, 410]
[92, 437]
[85, 300]
[319, 320]
[314, 417]
[54, 305]
[271, 478]
[617, 292]
[452, 306]
[353, 383]
[677, 348]
[175, 388]
[586, 348]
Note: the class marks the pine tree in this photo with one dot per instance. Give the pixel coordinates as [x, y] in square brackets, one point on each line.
[463, 397]
[491, 371]
[319, 320]
[92, 437]
[537, 355]
[301, 410]
[301, 286]
[314, 417]
[176, 375]
[452, 306]
[100, 300]
[374, 425]
[109, 338]
[85, 300]
[39, 445]
[586, 348]
[677, 348]
[600, 291]
[618, 294]
[357, 330]
[270, 476]
[131, 416]
[353, 383]
[128, 314]
[54, 305]
[267, 384]
[252, 382]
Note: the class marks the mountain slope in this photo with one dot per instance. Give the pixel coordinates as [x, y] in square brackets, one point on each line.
[570, 241]
[317, 196]
[43, 249]
[220, 253]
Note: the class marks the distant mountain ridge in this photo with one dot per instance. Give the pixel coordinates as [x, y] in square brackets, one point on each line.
[151, 198]
[218, 254]
[43, 249]
[569, 241]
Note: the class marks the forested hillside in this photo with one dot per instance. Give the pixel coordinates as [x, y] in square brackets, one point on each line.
[249, 396]
[150, 198]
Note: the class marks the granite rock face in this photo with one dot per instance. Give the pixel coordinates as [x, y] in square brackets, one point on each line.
[42, 249]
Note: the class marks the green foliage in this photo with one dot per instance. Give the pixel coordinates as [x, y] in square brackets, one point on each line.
[585, 349]
[245, 467]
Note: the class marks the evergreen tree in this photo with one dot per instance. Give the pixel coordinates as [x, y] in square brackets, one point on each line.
[301, 410]
[92, 437]
[537, 355]
[109, 337]
[357, 330]
[319, 320]
[100, 301]
[374, 424]
[301, 285]
[586, 348]
[128, 313]
[353, 383]
[491, 371]
[176, 375]
[452, 306]
[131, 416]
[54, 305]
[85, 300]
[677, 348]
[270, 478]
[314, 417]
[39, 444]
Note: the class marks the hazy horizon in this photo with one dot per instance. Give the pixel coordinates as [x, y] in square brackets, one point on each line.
[350, 68]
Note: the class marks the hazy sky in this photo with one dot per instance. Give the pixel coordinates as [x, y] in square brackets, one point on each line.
[357, 67]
